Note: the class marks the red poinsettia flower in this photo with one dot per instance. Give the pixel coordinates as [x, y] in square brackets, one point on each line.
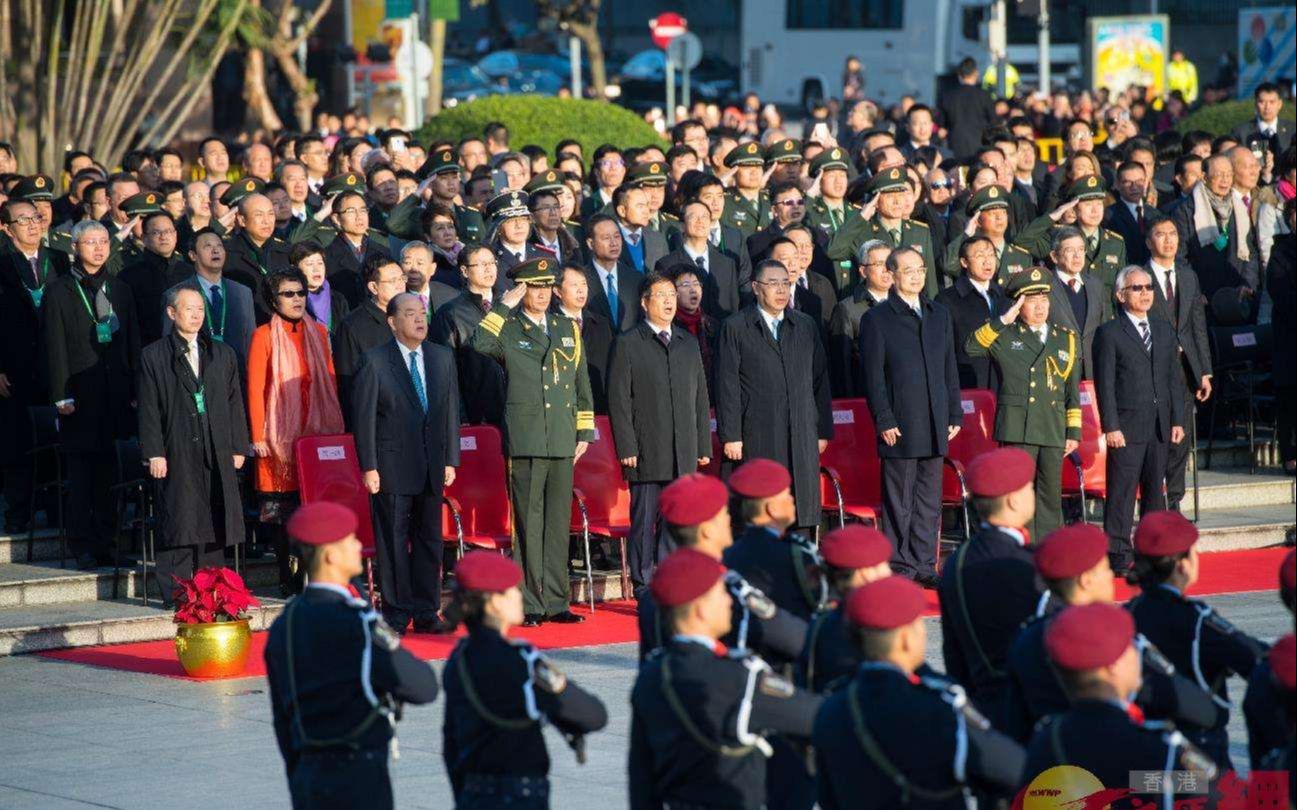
[212, 595]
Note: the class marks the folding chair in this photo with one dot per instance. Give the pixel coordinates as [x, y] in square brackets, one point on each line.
[328, 470]
[973, 439]
[133, 488]
[475, 508]
[601, 501]
[1086, 473]
[850, 482]
[47, 474]
[1240, 365]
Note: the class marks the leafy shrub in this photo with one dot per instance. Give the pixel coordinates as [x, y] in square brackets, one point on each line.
[1220, 119]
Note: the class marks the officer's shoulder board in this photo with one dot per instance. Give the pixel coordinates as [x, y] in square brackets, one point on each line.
[1062, 328]
[1113, 235]
[1014, 248]
[918, 223]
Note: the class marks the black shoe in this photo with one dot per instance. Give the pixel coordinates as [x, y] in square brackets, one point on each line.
[397, 622]
[927, 579]
[436, 625]
[87, 562]
[533, 620]
[566, 617]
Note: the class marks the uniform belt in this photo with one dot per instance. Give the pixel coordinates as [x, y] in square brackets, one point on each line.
[353, 754]
[489, 784]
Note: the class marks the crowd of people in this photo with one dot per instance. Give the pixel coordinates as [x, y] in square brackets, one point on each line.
[349, 282]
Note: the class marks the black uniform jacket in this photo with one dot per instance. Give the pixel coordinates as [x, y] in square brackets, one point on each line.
[481, 378]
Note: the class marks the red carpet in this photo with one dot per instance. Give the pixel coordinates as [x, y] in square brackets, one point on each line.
[614, 622]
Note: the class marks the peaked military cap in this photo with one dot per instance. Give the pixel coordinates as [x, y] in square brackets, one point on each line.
[508, 205]
[1031, 281]
[788, 150]
[342, 182]
[835, 158]
[746, 154]
[441, 161]
[146, 202]
[548, 180]
[653, 173]
[987, 199]
[1087, 188]
[893, 179]
[237, 191]
[535, 273]
[37, 188]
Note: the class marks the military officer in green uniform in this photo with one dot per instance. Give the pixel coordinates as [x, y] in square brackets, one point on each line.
[784, 161]
[321, 227]
[548, 421]
[39, 191]
[884, 219]
[828, 211]
[988, 215]
[404, 221]
[126, 244]
[1038, 401]
[1105, 250]
[652, 177]
[747, 205]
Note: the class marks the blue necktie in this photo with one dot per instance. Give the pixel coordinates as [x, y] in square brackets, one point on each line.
[218, 310]
[417, 379]
[614, 304]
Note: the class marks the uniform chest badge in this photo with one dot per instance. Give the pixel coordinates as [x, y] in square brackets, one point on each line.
[1016, 345]
[1110, 259]
[524, 344]
[1063, 355]
[568, 343]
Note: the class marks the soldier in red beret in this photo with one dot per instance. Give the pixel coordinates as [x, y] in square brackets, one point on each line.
[500, 693]
[1073, 562]
[337, 673]
[1093, 649]
[1281, 678]
[990, 587]
[701, 713]
[1194, 637]
[896, 733]
[1266, 728]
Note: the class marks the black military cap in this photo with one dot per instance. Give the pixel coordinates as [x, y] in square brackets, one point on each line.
[440, 162]
[1087, 188]
[146, 202]
[37, 188]
[746, 154]
[987, 199]
[789, 150]
[893, 179]
[339, 183]
[508, 205]
[653, 173]
[835, 158]
[534, 273]
[246, 187]
[1031, 281]
[548, 180]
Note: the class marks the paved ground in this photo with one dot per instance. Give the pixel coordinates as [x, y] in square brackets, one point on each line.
[77, 737]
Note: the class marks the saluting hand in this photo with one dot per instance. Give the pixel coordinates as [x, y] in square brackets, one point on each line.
[868, 209]
[1011, 314]
[513, 297]
[970, 228]
[227, 219]
[1058, 212]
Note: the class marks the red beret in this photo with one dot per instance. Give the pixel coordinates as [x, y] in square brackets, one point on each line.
[487, 571]
[855, 546]
[321, 523]
[1162, 534]
[683, 576]
[885, 604]
[1071, 551]
[760, 478]
[1288, 572]
[1283, 662]
[692, 499]
[1089, 636]
[999, 472]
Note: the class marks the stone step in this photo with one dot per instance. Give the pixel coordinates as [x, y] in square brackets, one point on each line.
[1243, 527]
[45, 546]
[81, 624]
[1235, 488]
[45, 583]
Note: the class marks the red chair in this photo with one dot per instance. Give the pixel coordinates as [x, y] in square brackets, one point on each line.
[850, 485]
[601, 501]
[328, 470]
[1087, 475]
[973, 439]
[475, 510]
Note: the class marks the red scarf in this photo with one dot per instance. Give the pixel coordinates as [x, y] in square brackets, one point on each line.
[695, 323]
[289, 414]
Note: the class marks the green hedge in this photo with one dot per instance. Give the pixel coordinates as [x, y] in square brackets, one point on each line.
[1220, 119]
[543, 121]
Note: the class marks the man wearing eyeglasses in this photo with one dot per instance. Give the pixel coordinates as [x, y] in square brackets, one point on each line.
[788, 207]
[884, 218]
[346, 256]
[157, 269]
[1141, 408]
[844, 324]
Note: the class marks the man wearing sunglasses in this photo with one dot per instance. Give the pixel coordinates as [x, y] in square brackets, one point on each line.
[1141, 409]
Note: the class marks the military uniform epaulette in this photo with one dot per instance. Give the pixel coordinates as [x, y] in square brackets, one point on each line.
[1113, 235]
[667, 215]
[1016, 249]
[917, 222]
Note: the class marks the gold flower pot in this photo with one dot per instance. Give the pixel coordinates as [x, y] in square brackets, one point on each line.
[215, 650]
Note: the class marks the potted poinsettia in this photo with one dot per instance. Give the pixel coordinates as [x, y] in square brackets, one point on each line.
[212, 632]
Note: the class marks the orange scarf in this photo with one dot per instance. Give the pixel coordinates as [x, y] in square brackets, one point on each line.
[288, 414]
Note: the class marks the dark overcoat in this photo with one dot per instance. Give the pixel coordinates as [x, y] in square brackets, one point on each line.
[19, 346]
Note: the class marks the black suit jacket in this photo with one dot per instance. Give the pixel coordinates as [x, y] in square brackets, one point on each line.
[1098, 311]
[247, 265]
[655, 247]
[1189, 321]
[1138, 394]
[20, 359]
[968, 311]
[410, 448]
[364, 328]
[966, 111]
[149, 276]
[344, 270]
[936, 223]
[720, 280]
[1119, 218]
[1283, 133]
[628, 281]
[817, 299]
[597, 335]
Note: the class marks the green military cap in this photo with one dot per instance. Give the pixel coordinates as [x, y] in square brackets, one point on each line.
[987, 199]
[1087, 188]
[789, 150]
[1031, 281]
[37, 188]
[439, 162]
[508, 205]
[893, 179]
[745, 154]
[535, 273]
[339, 183]
[246, 187]
[835, 158]
[146, 202]
[548, 180]
[653, 173]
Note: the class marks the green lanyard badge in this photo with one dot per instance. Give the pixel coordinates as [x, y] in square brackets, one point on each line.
[225, 309]
[200, 400]
[103, 329]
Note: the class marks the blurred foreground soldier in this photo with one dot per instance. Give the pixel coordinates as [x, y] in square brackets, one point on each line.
[1266, 727]
[1092, 648]
[500, 694]
[1194, 637]
[989, 587]
[1073, 562]
[548, 423]
[1038, 401]
[1282, 686]
[892, 738]
[338, 674]
[194, 433]
[700, 715]
[853, 556]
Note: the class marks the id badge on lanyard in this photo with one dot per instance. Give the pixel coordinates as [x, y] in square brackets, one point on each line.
[103, 332]
[200, 400]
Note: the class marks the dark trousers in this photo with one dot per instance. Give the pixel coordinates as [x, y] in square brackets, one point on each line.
[541, 491]
[649, 541]
[183, 561]
[1177, 455]
[491, 792]
[912, 512]
[1049, 488]
[408, 546]
[90, 513]
[342, 782]
[1141, 465]
[18, 493]
[1285, 418]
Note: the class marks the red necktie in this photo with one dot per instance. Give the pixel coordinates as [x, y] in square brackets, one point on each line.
[1247, 202]
[1075, 285]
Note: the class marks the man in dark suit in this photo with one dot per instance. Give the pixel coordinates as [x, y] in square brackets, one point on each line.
[974, 298]
[231, 313]
[1267, 122]
[407, 440]
[772, 388]
[658, 407]
[642, 246]
[1178, 300]
[481, 378]
[1141, 407]
[716, 268]
[572, 298]
[614, 284]
[844, 324]
[347, 256]
[1079, 300]
[966, 111]
[907, 350]
[252, 251]
[1215, 234]
[365, 326]
[812, 293]
[1130, 216]
[156, 269]
[708, 190]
